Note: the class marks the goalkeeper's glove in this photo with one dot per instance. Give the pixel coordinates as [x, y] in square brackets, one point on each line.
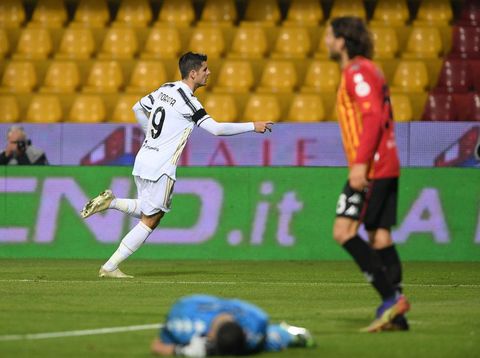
[197, 348]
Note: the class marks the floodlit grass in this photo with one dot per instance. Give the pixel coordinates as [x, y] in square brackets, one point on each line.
[330, 298]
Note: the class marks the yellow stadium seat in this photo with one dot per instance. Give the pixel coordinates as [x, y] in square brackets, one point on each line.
[119, 43]
[134, 13]
[385, 42]
[423, 42]
[348, 8]
[147, 76]
[12, 13]
[401, 107]
[49, 13]
[438, 12]
[61, 77]
[410, 76]
[19, 77]
[122, 113]
[265, 11]
[278, 76]
[249, 42]
[262, 107]
[235, 77]
[87, 109]
[76, 43]
[178, 12]
[9, 109]
[91, 13]
[304, 12]
[306, 108]
[44, 109]
[34, 44]
[4, 45]
[104, 76]
[322, 76]
[207, 40]
[390, 12]
[221, 107]
[170, 40]
[292, 42]
[219, 12]
[321, 50]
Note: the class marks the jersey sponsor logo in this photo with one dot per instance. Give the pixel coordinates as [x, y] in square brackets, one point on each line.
[362, 89]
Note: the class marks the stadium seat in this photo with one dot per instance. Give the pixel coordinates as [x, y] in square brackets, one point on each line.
[348, 8]
[306, 108]
[119, 43]
[207, 40]
[423, 42]
[439, 107]
[134, 13]
[474, 66]
[292, 42]
[177, 12]
[9, 109]
[304, 13]
[87, 109]
[91, 13]
[410, 76]
[122, 113]
[401, 108]
[4, 44]
[466, 42]
[385, 42]
[76, 43]
[104, 76]
[322, 76]
[12, 13]
[219, 12]
[249, 42]
[44, 109]
[438, 12]
[470, 13]
[321, 49]
[468, 106]
[170, 40]
[455, 76]
[235, 77]
[221, 107]
[147, 76]
[265, 12]
[262, 107]
[49, 13]
[34, 44]
[390, 13]
[61, 77]
[278, 76]
[19, 77]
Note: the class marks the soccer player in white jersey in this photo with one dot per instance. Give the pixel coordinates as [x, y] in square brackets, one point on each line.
[168, 116]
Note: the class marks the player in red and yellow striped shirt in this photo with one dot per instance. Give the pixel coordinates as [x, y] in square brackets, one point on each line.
[370, 194]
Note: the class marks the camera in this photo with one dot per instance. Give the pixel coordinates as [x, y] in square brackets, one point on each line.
[22, 145]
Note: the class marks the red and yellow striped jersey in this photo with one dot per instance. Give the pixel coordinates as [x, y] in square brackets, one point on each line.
[365, 117]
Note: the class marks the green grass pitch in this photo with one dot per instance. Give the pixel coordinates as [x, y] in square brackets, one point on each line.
[330, 298]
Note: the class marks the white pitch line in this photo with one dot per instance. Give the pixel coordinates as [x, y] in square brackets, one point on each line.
[84, 332]
[223, 283]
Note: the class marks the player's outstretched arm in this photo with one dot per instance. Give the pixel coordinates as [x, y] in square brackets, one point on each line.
[225, 129]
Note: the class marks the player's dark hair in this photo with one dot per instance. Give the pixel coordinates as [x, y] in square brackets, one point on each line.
[353, 30]
[190, 61]
[230, 339]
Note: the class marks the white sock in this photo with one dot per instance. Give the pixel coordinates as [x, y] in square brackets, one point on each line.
[128, 206]
[130, 243]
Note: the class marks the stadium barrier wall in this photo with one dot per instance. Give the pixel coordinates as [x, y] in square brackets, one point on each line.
[232, 213]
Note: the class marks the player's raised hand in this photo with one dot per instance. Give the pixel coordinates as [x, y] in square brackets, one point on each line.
[262, 127]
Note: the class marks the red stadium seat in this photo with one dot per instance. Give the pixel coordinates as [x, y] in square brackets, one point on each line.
[455, 76]
[467, 106]
[439, 107]
[466, 42]
[474, 66]
[470, 14]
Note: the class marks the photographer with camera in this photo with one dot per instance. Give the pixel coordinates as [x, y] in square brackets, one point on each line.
[20, 151]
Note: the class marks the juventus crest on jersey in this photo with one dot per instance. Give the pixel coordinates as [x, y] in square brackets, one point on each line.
[174, 111]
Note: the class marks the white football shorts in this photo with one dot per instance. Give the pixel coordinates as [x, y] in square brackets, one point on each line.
[155, 196]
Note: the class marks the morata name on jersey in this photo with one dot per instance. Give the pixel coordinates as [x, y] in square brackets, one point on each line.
[166, 98]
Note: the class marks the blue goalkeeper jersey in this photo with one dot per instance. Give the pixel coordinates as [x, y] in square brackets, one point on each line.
[193, 315]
